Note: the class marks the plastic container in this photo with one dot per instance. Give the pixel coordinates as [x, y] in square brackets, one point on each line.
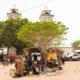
[49, 72]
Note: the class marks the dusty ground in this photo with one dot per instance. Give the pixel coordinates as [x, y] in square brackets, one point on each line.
[71, 71]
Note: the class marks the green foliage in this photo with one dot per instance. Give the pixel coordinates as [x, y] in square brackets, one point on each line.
[42, 33]
[8, 35]
[2, 26]
[76, 44]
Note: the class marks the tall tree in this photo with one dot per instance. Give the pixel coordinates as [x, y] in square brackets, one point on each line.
[43, 34]
[8, 35]
[2, 26]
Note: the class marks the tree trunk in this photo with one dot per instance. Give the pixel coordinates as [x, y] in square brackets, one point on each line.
[44, 59]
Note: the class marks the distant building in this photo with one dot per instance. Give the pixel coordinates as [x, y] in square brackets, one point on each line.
[14, 13]
[46, 16]
[12, 50]
[67, 50]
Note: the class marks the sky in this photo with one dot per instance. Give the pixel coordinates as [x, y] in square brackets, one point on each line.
[65, 11]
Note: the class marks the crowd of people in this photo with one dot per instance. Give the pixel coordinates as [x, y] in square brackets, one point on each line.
[33, 64]
[26, 65]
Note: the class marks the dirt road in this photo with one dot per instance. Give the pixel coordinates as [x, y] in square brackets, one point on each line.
[71, 71]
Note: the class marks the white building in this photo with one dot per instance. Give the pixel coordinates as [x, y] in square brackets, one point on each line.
[14, 13]
[46, 16]
[12, 50]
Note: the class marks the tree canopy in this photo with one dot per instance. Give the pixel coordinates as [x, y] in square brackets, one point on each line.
[43, 34]
[8, 31]
[76, 44]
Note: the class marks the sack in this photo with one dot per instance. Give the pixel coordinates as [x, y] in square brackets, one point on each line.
[30, 73]
[12, 72]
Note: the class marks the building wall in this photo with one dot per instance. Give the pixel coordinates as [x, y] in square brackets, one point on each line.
[13, 15]
[46, 18]
[12, 50]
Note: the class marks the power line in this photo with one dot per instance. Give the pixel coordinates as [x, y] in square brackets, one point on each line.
[49, 1]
